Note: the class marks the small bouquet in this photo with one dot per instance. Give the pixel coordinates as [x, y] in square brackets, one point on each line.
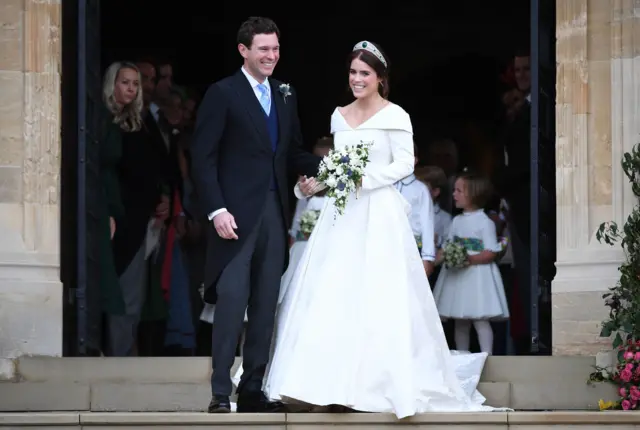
[342, 170]
[455, 255]
[503, 241]
[308, 221]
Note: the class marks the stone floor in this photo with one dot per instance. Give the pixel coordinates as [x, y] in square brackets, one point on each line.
[171, 393]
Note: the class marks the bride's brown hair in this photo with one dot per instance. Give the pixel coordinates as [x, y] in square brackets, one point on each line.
[372, 61]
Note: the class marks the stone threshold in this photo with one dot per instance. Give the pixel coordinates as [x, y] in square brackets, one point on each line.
[160, 385]
[198, 369]
[175, 420]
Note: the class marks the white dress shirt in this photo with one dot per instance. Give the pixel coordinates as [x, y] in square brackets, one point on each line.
[422, 215]
[441, 223]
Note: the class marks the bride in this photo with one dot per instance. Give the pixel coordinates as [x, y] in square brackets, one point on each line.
[358, 326]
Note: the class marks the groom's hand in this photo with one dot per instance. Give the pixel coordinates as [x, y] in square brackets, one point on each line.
[225, 224]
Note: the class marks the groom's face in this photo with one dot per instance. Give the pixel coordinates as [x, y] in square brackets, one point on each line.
[261, 57]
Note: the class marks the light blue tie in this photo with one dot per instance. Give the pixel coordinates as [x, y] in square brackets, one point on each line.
[265, 100]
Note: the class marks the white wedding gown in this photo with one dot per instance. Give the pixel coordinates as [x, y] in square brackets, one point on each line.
[358, 325]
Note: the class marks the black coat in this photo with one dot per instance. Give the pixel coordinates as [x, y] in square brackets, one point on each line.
[145, 169]
[232, 162]
[515, 181]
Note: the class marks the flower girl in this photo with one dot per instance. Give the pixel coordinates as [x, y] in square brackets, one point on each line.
[469, 288]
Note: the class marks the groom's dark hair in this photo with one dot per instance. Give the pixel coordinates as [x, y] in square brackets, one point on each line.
[256, 25]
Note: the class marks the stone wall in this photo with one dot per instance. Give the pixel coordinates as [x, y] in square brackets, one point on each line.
[596, 122]
[30, 290]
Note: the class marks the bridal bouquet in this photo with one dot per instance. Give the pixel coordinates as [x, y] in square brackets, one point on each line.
[308, 221]
[455, 255]
[342, 170]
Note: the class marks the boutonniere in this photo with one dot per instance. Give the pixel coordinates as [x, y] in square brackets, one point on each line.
[285, 90]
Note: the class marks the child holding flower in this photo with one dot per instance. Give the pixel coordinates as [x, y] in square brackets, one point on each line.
[472, 293]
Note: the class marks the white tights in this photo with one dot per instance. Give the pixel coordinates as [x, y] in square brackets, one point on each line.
[462, 335]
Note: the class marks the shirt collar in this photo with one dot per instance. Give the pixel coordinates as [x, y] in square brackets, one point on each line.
[253, 81]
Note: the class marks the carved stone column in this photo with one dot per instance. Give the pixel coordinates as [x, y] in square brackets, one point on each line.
[596, 121]
[30, 290]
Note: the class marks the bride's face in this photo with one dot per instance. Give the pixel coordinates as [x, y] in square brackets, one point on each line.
[363, 80]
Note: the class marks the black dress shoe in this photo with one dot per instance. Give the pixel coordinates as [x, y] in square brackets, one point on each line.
[219, 405]
[258, 403]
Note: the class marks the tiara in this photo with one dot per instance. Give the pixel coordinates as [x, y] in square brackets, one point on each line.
[368, 46]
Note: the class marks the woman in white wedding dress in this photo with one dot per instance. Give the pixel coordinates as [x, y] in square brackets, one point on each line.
[358, 326]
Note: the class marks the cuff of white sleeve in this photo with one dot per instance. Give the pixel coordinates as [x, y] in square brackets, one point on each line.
[298, 192]
[213, 214]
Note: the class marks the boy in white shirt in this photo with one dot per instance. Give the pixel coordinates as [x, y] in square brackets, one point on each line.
[421, 216]
[436, 180]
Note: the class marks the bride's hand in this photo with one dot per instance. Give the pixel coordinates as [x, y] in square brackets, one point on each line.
[308, 186]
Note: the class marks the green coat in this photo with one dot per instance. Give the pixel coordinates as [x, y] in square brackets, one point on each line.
[110, 155]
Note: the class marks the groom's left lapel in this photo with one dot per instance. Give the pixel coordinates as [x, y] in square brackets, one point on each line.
[283, 114]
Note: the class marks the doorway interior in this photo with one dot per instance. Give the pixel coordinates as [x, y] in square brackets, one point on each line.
[449, 68]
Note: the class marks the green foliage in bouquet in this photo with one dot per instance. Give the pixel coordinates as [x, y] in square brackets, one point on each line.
[308, 221]
[342, 170]
[455, 255]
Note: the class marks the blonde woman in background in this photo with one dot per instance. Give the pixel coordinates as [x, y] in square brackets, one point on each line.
[122, 97]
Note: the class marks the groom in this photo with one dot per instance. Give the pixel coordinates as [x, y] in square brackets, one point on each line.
[247, 137]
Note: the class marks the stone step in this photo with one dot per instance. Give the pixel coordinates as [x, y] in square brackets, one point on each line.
[182, 384]
[433, 421]
[195, 369]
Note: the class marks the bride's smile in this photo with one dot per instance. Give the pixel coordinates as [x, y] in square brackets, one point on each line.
[362, 79]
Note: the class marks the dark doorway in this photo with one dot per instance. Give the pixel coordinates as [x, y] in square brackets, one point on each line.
[448, 61]
[543, 162]
[82, 102]
[445, 60]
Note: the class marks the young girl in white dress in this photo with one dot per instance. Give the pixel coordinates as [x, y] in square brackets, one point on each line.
[472, 295]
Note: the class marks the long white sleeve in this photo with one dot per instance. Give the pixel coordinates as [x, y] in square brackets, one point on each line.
[400, 167]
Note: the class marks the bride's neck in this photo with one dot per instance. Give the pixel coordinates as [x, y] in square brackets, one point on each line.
[371, 102]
